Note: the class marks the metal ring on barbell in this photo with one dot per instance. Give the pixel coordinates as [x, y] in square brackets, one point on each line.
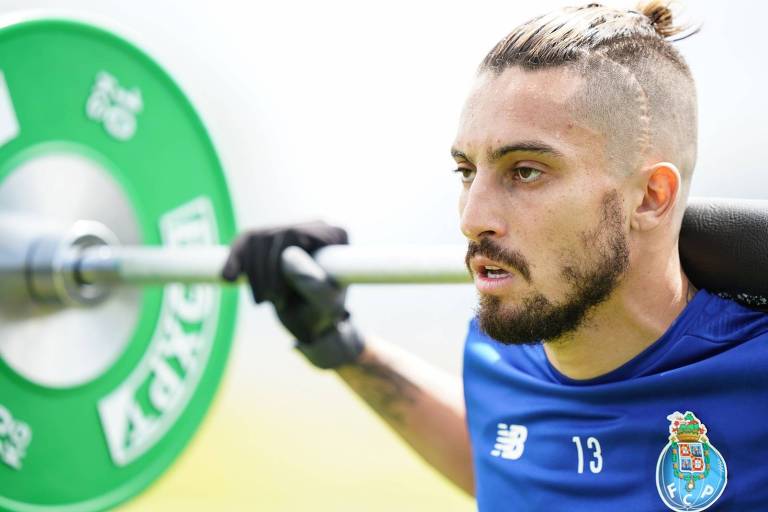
[51, 265]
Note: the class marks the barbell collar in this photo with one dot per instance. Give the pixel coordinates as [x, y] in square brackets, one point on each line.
[52, 262]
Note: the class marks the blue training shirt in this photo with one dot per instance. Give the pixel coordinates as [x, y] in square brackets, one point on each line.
[682, 426]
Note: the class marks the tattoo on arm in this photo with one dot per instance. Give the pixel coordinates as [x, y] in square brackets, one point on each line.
[387, 391]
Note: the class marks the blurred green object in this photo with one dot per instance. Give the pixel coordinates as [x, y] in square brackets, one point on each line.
[72, 88]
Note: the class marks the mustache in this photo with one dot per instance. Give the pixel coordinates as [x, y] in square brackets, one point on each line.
[491, 250]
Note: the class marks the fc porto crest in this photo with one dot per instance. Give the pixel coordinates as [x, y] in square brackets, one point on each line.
[690, 474]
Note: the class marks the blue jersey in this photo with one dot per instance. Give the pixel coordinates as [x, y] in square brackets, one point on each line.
[682, 426]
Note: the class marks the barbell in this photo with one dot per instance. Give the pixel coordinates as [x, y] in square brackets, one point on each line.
[115, 326]
[114, 218]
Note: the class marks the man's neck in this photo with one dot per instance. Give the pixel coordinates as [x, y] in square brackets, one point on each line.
[638, 312]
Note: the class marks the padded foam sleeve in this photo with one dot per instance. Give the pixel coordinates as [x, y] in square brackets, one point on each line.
[724, 247]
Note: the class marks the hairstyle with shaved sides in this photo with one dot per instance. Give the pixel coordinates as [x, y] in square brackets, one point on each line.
[637, 88]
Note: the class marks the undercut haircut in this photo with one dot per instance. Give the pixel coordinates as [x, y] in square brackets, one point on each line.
[637, 88]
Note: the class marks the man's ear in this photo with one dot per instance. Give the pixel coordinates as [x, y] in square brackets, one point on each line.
[662, 188]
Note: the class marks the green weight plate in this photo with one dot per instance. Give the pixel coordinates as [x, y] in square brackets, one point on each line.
[73, 96]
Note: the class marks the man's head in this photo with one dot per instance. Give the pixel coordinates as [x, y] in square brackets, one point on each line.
[576, 147]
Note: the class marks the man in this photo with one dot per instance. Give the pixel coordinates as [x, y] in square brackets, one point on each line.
[597, 377]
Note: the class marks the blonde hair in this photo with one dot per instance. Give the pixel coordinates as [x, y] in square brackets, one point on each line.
[637, 87]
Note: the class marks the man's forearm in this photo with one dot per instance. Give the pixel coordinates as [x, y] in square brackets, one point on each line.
[421, 403]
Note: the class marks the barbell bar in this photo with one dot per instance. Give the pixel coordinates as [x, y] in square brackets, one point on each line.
[81, 265]
[346, 264]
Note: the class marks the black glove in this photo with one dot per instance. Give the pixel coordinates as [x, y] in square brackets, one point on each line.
[307, 301]
[257, 255]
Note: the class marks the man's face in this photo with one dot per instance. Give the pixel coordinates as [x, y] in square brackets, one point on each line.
[542, 212]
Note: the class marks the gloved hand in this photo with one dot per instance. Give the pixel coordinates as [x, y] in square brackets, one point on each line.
[309, 303]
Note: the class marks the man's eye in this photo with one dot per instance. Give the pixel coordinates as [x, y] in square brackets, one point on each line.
[526, 174]
[467, 175]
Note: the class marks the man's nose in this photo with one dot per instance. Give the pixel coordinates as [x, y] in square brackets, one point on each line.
[482, 209]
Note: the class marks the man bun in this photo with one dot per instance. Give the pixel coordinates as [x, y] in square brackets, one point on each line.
[660, 16]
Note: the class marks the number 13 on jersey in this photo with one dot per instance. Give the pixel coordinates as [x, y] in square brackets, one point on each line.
[595, 454]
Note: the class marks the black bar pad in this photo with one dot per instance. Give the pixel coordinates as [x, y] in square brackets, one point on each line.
[724, 247]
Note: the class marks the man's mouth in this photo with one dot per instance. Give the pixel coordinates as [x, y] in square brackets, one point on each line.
[493, 272]
[488, 261]
[491, 278]
[489, 274]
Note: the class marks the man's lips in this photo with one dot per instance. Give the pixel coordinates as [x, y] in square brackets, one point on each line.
[490, 276]
[480, 264]
[485, 256]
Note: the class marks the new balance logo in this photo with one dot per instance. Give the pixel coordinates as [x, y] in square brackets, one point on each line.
[510, 441]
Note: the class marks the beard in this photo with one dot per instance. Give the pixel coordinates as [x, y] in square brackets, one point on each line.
[590, 283]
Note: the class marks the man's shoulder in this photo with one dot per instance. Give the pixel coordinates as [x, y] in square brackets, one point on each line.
[484, 355]
[728, 319]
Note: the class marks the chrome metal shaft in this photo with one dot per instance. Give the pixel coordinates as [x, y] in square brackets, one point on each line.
[41, 263]
[347, 264]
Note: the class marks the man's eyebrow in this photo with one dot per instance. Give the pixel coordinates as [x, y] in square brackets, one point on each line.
[524, 146]
[455, 153]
